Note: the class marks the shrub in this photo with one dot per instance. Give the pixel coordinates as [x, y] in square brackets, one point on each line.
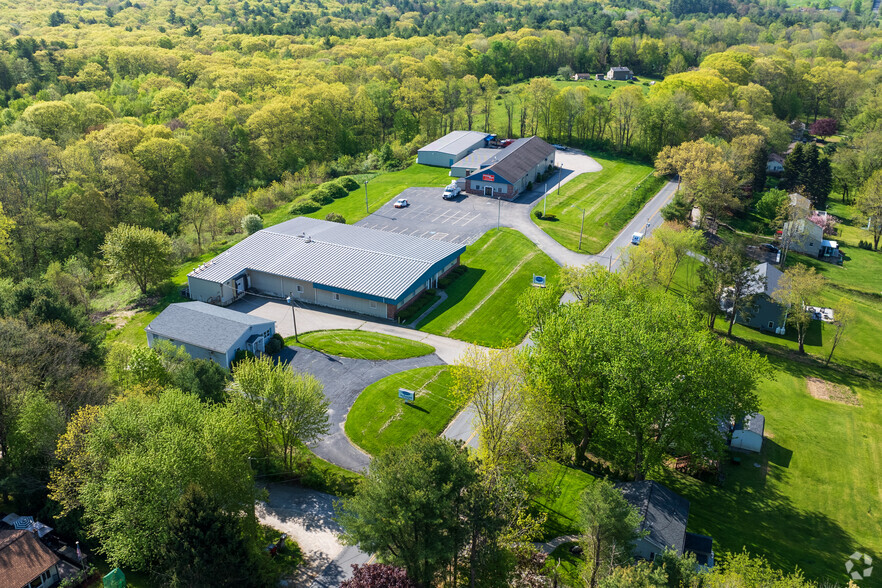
[305, 206]
[333, 189]
[335, 217]
[347, 183]
[241, 354]
[538, 213]
[251, 223]
[865, 245]
[321, 195]
[272, 346]
[452, 276]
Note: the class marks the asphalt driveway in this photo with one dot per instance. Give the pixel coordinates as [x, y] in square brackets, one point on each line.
[344, 379]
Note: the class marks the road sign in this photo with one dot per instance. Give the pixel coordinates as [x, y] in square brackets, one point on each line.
[407, 395]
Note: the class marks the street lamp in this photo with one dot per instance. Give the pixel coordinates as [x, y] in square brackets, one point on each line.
[544, 198]
[558, 179]
[290, 301]
[366, 208]
[498, 210]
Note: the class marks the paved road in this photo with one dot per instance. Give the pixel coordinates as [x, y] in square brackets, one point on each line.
[308, 518]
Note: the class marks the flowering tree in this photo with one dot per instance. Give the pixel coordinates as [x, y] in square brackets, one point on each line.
[378, 576]
[824, 127]
[826, 221]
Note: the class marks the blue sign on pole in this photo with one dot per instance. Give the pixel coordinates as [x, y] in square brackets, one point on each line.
[407, 395]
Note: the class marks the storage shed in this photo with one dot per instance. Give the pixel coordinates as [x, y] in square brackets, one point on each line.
[748, 433]
[452, 147]
[510, 171]
[210, 332]
[346, 267]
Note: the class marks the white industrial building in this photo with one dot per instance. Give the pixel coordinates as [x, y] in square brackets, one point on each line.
[452, 147]
[345, 267]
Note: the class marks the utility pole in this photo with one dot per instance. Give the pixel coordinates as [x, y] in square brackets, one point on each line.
[558, 180]
[544, 198]
[498, 211]
[581, 227]
[366, 208]
[294, 316]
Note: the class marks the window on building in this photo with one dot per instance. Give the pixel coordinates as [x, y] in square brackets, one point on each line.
[336, 297]
[771, 325]
[300, 288]
[373, 304]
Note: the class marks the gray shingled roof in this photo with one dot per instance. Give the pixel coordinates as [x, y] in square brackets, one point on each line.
[455, 142]
[665, 513]
[755, 423]
[335, 256]
[516, 160]
[771, 275]
[203, 325]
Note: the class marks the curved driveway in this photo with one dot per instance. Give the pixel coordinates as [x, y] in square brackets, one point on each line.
[344, 379]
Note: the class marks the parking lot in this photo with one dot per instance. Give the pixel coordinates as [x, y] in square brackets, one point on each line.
[461, 220]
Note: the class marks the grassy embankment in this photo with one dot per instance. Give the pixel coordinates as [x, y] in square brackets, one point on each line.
[480, 306]
[379, 419]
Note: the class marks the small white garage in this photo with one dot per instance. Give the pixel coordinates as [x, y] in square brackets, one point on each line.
[748, 433]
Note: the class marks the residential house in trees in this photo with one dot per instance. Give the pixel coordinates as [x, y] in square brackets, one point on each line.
[766, 314]
[619, 74]
[25, 562]
[665, 515]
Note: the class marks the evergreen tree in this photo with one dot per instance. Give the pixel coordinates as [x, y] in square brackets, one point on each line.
[794, 163]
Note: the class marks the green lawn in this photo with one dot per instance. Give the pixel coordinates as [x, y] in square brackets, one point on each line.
[563, 565]
[379, 419]
[815, 499]
[363, 344]
[609, 197]
[560, 487]
[480, 307]
[381, 189]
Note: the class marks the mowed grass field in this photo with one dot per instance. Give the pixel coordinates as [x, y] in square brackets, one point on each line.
[610, 198]
[362, 344]
[379, 419]
[381, 189]
[481, 304]
[815, 497]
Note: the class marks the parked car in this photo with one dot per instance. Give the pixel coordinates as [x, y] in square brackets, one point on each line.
[769, 247]
[401, 203]
[636, 238]
[506, 142]
[451, 192]
[561, 147]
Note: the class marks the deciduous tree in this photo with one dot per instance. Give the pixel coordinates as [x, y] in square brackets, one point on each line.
[870, 204]
[610, 526]
[799, 287]
[141, 255]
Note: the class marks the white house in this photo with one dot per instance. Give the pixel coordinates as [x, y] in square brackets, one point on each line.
[805, 236]
[748, 433]
[775, 164]
[207, 331]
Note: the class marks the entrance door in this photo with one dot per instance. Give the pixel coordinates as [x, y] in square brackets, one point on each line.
[488, 190]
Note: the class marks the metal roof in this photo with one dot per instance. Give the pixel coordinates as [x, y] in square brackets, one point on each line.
[203, 325]
[456, 142]
[516, 160]
[665, 513]
[476, 158]
[334, 256]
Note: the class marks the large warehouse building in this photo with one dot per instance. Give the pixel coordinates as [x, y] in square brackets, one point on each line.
[350, 268]
[510, 171]
[452, 147]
